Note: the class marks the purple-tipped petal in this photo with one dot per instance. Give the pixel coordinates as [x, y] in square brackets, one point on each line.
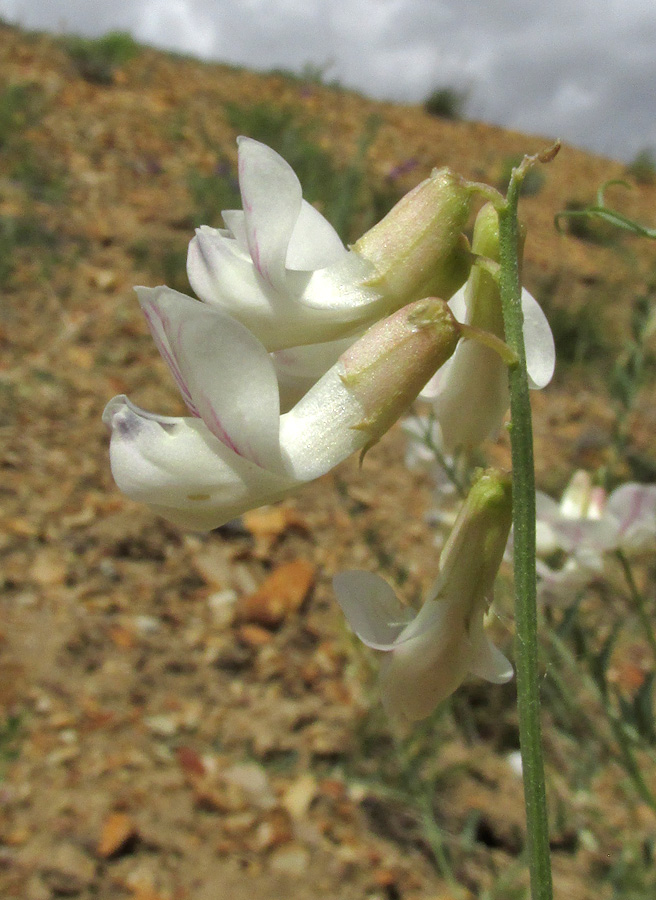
[182, 471]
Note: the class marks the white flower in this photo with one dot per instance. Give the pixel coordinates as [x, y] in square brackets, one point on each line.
[587, 519]
[431, 653]
[576, 522]
[280, 268]
[236, 451]
[470, 393]
[632, 509]
[586, 525]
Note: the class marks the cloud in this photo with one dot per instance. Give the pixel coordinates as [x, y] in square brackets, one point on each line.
[574, 68]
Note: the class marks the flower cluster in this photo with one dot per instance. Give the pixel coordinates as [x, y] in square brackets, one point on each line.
[586, 527]
[301, 351]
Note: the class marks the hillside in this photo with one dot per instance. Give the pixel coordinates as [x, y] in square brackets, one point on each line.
[156, 742]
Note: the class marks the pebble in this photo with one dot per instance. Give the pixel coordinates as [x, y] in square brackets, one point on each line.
[290, 860]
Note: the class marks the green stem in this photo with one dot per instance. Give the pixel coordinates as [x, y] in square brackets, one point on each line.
[526, 641]
[638, 601]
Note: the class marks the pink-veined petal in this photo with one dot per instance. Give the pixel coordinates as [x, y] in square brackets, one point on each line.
[182, 471]
[540, 348]
[271, 196]
[228, 373]
[314, 243]
[372, 609]
[161, 339]
[633, 507]
[221, 274]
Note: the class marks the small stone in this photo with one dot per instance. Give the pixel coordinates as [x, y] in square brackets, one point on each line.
[118, 831]
[274, 830]
[290, 860]
[280, 595]
[252, 779]
[190, 762]
[299, 795]
[162, 726]
[68, 871]
[253, 635]
[222, 607]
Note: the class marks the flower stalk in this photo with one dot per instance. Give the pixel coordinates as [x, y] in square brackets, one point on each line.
[526, 641]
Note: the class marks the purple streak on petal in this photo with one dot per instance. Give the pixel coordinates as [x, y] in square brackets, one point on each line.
[636, 508]
[151, 313]
[257, 260]
[213, 422]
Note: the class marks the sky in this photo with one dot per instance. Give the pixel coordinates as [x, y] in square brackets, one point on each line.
[580, 70]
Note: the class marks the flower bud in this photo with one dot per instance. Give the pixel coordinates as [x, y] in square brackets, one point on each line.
[483, 295]
[418, 249]
[387, 368]
[368, 388]
[483, 523]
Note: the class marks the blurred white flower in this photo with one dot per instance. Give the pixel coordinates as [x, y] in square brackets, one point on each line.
[431, 653]
[587, 525]
[577, 521]
[236, 451]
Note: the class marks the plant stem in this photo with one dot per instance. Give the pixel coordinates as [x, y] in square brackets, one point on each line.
[526, 640]
[638, 601]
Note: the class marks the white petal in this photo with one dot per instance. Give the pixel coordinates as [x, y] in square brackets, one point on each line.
[314, 242]
[235, 222]
[221, 274]
[425, 669]
[179, 468]
[546, 539]
[343, 288]
[271, 196]
[160, 337]
[458, 304]
[228, 373]
[540, 348]
[315, 308]
[472, 396]
[546, 507]
[371, 607]
[488, 661]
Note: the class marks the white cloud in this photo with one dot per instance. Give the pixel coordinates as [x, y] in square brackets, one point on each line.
[579, 69]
